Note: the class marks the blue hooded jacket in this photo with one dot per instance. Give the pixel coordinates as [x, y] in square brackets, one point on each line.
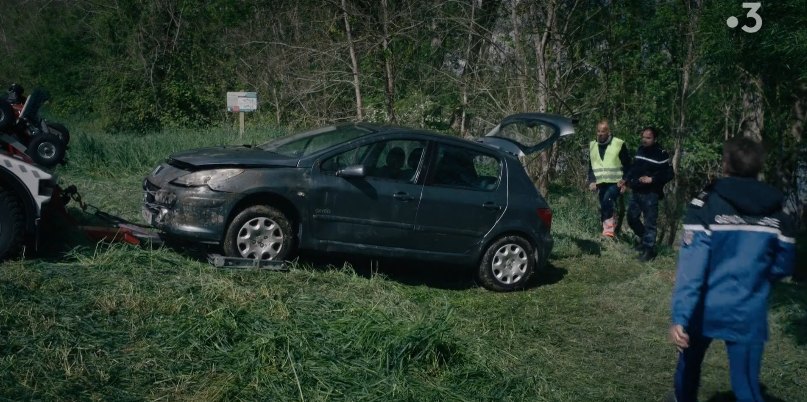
[736, 242]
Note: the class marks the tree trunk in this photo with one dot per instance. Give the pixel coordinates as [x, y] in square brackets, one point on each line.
[521, 58]
[481, 20]
[354, 63]
[277, 105]
[753, 116]
[673, 205]
[387, 57]
[799, 114]
[542, 43]
[792, 168]
[465, 69]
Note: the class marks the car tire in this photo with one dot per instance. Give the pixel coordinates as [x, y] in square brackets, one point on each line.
[260, 232]
[507, 264]
[6, 114]
[46, 150]
[11, 224]
[60, 131]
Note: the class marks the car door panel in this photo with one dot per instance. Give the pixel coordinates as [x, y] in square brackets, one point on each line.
[374, 211]
[455, 213]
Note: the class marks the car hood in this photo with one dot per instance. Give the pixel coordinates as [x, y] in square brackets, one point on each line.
[242, 156]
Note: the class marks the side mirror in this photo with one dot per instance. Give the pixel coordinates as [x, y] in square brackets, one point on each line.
[355, 171]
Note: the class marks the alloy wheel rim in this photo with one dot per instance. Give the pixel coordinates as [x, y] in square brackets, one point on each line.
[260, 238]
[509, 263]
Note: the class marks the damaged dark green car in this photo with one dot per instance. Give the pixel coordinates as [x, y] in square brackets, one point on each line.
[368, 190]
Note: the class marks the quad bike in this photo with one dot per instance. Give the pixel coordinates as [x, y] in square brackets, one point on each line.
[24, 133]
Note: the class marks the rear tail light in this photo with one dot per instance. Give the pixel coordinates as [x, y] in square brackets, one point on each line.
[545, 214]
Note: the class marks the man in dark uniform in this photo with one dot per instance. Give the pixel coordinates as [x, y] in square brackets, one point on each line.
[737, 241]
[650, 171]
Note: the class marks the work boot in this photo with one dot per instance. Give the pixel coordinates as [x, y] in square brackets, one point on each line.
[608, 227]
[648, 254]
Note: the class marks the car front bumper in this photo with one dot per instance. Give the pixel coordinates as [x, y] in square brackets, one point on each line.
[193, 213]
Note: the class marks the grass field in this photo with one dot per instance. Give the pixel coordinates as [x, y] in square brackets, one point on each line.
[114, 322]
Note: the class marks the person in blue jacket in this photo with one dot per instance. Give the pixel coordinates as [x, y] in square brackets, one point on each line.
[736, 242]
[648, 174]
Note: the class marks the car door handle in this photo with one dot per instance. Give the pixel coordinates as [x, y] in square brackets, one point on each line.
[401, 196]
[492, 206]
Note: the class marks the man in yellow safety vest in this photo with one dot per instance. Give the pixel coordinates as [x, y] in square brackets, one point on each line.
[609, 162]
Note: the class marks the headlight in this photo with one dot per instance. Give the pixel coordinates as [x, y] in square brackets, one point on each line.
[157, 170]
[205, 177]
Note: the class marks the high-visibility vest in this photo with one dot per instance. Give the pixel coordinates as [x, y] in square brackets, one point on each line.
[607, 169]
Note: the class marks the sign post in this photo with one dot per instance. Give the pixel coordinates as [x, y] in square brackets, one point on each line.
[242, 102]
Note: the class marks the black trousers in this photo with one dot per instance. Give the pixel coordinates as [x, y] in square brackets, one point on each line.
[608, 195]
[644, 204]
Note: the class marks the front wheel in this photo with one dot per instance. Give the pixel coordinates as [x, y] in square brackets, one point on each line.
[259, 232]
[507, 264]
[46, 150]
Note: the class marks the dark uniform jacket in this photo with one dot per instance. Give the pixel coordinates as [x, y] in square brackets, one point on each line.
[736, 242]
[654, 162]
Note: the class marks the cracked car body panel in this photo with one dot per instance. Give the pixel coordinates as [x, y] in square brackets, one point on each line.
[202, 212]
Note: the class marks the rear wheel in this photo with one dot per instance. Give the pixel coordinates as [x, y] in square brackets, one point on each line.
[46, 150]
[11, 224]
[259, 232]
[507, 264]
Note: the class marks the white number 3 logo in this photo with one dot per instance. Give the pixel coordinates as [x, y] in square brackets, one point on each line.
[752, 13]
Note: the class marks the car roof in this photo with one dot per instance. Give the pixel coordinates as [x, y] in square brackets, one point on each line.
[394, 130]
[378, 131]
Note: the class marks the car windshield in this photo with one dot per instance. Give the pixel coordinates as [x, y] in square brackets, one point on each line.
[309, 142]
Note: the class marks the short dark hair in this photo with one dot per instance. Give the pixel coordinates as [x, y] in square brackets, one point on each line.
[743, 157]
[651, 129]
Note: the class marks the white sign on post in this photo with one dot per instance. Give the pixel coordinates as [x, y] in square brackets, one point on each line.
[241, 102]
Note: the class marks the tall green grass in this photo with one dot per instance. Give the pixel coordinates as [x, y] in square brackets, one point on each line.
[106, 155]
[115, 322]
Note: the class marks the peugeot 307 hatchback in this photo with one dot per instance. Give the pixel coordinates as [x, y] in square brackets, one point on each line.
[369, 190]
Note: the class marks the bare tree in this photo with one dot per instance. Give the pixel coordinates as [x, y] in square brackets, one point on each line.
[678, 191]
[387, 58]
[354, 63]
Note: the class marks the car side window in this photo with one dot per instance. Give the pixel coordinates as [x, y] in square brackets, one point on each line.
[352, 157]
[389, 160]
[396, 160]
[466, 168]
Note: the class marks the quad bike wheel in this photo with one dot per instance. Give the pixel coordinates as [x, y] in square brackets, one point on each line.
[46, 150]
